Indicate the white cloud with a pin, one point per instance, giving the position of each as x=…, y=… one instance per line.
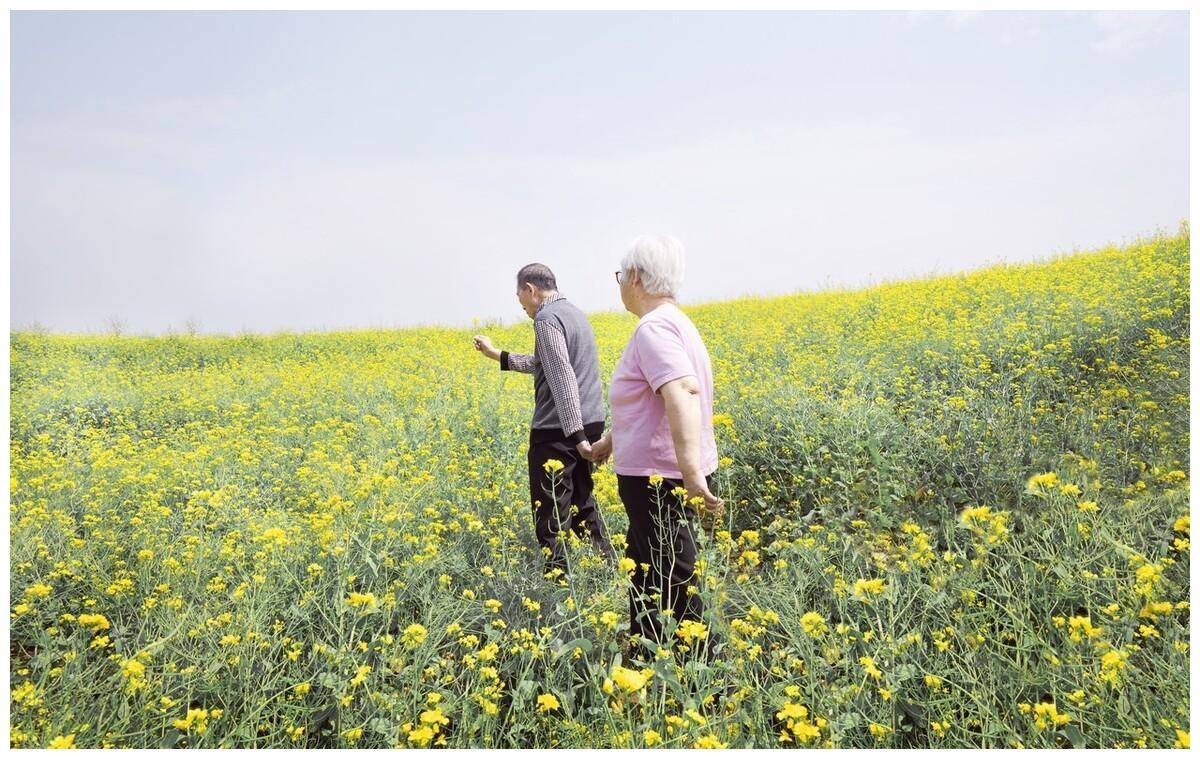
x=962, y=18
x=1129, y=31
x=369, y=243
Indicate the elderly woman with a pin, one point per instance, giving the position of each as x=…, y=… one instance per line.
x=661, y=398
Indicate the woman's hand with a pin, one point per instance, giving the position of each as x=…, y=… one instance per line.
x=602, y=449
x=709, y=507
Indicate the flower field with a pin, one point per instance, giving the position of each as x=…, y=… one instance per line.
x=957, y=516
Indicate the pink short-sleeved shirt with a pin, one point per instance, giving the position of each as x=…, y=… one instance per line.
x=664, y=346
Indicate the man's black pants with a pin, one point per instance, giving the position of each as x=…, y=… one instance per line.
x=570, y=504
x=662, y=541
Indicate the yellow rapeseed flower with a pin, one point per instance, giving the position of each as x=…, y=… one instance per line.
x=62, y=741
x=1038, y=483
x=709, y=741
x=864, y=588
x=813, y=624
x=364, y=601
x=691, y=631
x=414, y=635
x=629, y=680
x=94, y=622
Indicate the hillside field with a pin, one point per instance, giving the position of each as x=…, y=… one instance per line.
x=957, y=516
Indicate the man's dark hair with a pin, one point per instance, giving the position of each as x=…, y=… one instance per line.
x=539, y=275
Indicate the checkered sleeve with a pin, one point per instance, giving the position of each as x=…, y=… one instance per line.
x=550, y=345
x=518, y=362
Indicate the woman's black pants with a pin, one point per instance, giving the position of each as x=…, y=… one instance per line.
x=662, y=541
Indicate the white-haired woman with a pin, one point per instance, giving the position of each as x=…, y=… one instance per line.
x=661, y=398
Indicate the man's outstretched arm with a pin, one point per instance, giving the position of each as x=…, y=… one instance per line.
x=517, y=362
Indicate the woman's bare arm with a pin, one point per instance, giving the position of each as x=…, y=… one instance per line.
x=682, y=399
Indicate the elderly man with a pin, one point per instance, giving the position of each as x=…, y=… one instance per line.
x=568, y=415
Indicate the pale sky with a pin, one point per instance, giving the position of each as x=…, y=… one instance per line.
x=289, y=171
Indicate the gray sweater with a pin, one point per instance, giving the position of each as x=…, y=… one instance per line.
x=565, y=366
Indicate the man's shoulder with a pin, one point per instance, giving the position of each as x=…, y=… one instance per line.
x=556, y=309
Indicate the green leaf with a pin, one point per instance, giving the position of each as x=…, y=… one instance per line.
x=323, y=722
x=170, y=739
x=667, y=675
x=582, y=643
x=913, y=712
x=381, y=726
x=1075, y=736
x=873, y=450
x=327, y=680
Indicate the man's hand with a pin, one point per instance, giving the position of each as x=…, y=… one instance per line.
x=601, y=450
x=585, y=449
x=709, y=507
x=484, y=346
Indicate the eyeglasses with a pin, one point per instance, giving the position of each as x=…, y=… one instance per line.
x=618, y=277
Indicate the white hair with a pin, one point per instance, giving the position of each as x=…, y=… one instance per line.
x=659, y=262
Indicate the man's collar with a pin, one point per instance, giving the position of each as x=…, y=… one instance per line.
x=549, y=299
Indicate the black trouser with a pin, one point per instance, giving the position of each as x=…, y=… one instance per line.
x=570, y=505
x=662, y=537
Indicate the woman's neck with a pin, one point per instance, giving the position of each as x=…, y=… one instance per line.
x=652, y=302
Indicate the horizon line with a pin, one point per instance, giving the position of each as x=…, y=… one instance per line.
x=1138, y=238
